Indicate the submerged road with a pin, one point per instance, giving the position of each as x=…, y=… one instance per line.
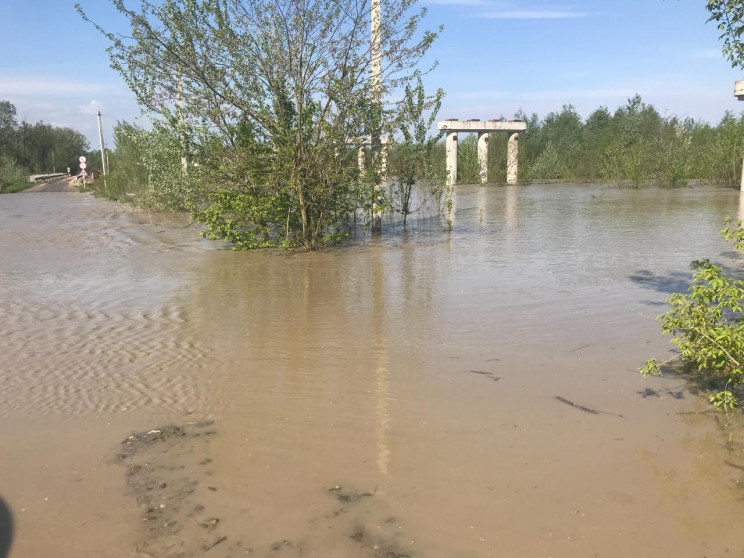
x=64, y=184
x=421, y=394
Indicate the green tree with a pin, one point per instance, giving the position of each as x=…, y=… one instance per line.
x=281, y=91
x=147, y=169
x=563, y=130
x=729, y=17
x=8, y=127
x=413, y=161
x=26, y=148
x=707, y=326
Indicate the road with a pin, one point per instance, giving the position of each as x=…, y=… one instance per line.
x=64, y=184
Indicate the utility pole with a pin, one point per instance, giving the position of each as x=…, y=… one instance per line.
x=376, y=91
x=104, y=163
x=376, y=50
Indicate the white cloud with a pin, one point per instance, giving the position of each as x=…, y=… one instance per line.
x=691, y=98
x=44, y=86
x=533, y=14
x=707, y=54
x=562, y=96
x=567, y=95
x=70, y=103
x=510, y=10
x=91, y=108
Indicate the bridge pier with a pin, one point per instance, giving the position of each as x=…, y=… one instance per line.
x=484, y=131
x=483, y=138
x=361, y=155
x=512, y=159
x=451, y=154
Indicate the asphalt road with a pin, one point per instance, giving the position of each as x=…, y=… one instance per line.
x=64, y=184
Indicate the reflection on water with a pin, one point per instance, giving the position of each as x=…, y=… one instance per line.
x=423, y=371
x=381, y=365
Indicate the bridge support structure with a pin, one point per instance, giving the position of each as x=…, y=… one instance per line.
x=484, y=130
x=362, y=144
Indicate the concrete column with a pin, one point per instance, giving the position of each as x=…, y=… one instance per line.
x=376, y=48
x=451, y=150
x=512, y=159
x=375, y=58
x=741, y=186
x=360, y=158
x=483, y=156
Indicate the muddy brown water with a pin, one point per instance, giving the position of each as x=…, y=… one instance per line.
x=423, y=394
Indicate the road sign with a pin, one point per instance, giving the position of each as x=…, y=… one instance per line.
x=83, y=166
x=82, y=159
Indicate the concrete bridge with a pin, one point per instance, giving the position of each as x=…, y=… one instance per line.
x=48, y=176
x=484, y=131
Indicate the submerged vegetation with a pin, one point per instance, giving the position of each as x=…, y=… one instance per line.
x=707, y=325
x=262, y=106
x=262, y=110
x=228, y=187
x=634, y=145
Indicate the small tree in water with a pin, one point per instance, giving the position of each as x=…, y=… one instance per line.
x=279, y=91
x=708, y=325
x=413, y=160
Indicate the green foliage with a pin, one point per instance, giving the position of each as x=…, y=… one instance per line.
x=707, y=325
x=279, y=94
x=413, y=164
x=673, y=147
x=45, y=148
x=12, y=175
x=245, y=220
x=734, y=230
x=632, y=163
x=549, y=164
x=8, y=126
x=633, y=146
x=719, y=156
x=148, y=171
x=34, y=148
x=729, y=17
x=468, y=168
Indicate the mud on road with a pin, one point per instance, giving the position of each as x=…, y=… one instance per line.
x=170, y=475
x=167, y=473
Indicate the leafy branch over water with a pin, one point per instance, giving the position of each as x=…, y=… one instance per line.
x=707, y=325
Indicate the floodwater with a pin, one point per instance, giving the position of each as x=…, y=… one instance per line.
x=422, y=394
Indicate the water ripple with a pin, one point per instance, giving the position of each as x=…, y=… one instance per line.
x=73, y=360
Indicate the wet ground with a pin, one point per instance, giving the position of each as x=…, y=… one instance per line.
x=59, y=185
x=422, y=394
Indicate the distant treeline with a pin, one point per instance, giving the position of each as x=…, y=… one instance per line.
x=35, y=148
x=634, y=145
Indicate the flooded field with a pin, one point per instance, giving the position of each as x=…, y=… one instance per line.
x=421, y=394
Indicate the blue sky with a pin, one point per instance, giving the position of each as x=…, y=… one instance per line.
x=494, y=57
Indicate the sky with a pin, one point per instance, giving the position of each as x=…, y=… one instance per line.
x=494, y=57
